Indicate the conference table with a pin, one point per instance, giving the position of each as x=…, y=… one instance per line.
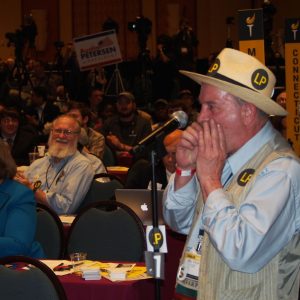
x=77, y=288
x=175, y=244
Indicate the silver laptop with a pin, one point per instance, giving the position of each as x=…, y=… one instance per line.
x=139, y=200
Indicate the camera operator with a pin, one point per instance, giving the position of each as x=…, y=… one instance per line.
x=164, y=69
x=185, y=43
x=143, y=66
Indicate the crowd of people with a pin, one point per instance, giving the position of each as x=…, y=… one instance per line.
x=230, y=179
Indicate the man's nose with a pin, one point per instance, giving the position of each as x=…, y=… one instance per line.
x=203, y=115
x=62, y=134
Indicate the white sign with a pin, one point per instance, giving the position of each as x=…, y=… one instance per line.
x=99, y=49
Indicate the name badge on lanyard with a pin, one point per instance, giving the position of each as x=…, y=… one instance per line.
x=188, y=271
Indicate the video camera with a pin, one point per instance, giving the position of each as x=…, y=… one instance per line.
x=16, y=38
x=142, y=26
x=26, y=33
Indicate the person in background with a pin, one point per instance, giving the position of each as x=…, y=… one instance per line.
x=96, y=162
x=160, y=113
x=127, y=128
x=17, y=212
x=62, y=178
x=21, y=139
x=96, y=97
x=176, y=105
x=164, y=69
x=185, y=43
x=187, y=97
x=140, y=174
x=41, y=111
x=40, y=78
x=236, y=190
x=279, y=122
x=96, y=140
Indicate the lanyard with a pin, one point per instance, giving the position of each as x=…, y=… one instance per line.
x=61, y=168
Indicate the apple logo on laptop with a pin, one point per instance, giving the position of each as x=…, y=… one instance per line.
x=144, y=207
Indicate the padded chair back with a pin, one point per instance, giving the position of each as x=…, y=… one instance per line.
x=109, y=157
x=101, y=191
x=107, y=231
x=49, y=232
x=38, y=282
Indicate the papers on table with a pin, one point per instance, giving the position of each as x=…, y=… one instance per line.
x=119, y=272
x=91, y=274
x=54, y=263
x=93, y=270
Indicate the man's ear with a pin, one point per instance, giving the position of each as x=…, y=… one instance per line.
x=249, y=112
x=85, y=120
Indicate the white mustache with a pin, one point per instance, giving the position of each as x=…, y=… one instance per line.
x=62, y=141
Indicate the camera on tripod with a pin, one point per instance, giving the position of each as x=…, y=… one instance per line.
x=142, y=26
x=16, y=38
x=26, y=34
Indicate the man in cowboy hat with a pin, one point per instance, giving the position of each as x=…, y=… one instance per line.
x=236, y=190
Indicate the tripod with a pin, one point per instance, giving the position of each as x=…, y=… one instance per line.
x=115, y=84
x=142, y=82
x=19, y=75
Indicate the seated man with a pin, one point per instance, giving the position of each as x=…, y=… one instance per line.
x=96, y=162
x=62, y=178
x=41, y=111
x=21, y=139
x=140, y=174
x=126, y=129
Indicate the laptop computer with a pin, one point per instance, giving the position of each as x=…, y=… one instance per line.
x=139, y=200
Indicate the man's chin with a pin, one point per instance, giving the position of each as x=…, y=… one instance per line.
x=61, y=153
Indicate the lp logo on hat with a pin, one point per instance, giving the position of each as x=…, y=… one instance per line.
x=214, y=67
x=260, y=79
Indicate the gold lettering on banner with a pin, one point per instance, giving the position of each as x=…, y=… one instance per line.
x=252, y=52
x=295, y=86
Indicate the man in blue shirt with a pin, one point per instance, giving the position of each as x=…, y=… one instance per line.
x=236, y=190
x=62, y=178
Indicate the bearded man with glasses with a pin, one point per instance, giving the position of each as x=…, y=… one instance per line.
x=62, y=178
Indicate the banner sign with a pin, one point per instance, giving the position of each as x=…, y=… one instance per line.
x=292, y=74
x=251, y=33
x=99, y=49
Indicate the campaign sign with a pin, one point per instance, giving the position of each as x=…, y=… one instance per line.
x=99, y=49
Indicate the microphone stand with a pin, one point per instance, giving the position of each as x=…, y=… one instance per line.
x=155, y=214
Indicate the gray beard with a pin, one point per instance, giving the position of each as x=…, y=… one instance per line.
x=61, y=151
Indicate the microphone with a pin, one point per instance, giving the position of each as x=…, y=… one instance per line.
x=179, y=120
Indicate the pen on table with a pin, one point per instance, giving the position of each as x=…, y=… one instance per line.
x=62, y=267
x=57, y=267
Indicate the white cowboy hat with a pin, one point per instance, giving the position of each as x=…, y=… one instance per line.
x=243, y=76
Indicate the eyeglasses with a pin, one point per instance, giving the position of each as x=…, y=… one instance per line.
x=64, y=131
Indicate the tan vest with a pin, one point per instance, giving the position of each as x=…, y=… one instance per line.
x=279, y=279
